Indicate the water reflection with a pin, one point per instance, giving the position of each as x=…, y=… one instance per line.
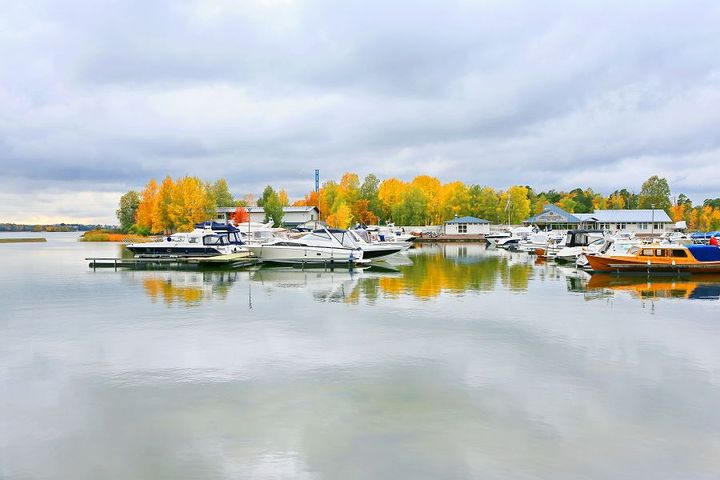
x=699, y=287
x=189, y=288
x=424, y=273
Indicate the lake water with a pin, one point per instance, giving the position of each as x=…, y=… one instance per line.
x=463, y=363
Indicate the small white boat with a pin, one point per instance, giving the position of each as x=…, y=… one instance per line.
x=580, y=242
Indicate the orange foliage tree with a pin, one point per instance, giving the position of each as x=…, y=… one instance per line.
x=240, y=215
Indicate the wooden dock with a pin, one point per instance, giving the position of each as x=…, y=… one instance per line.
x=233, y=260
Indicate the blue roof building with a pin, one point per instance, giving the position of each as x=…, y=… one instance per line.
x=639, y=221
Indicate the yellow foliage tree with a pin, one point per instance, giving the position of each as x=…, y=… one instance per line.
x=144, y=215
x=283, y=197
x=431, y=188
x=390, y=193
x=341, y=218
x=454, y=200
x=161, y=221
x=190, y=203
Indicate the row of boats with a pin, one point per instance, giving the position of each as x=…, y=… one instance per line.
x=600, y=251
x=307, y=246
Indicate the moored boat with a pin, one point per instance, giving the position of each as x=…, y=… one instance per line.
x=660, y=258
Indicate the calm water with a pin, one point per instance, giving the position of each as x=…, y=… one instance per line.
x=464, y=363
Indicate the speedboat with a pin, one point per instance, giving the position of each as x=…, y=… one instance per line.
x=517, y=235
x=207, y=239
x=660, y=258
x=318, y=247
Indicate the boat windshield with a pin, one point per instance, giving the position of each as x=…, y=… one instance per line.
x=214, y=240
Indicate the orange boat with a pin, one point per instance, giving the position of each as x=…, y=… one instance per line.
x=660, y=258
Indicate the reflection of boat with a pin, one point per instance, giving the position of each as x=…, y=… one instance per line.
x=205, y=240
x=324, y=285
x=660, y=258
x=706, y=287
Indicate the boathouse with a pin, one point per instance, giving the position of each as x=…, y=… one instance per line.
x=292, y=216
x=466, y=226
x=636, y=221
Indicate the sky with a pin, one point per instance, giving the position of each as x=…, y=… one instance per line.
x=98, y=96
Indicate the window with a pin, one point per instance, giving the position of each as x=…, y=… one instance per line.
x=647, y=252
x=620, y=226
x=658, y=226
x=642, y=226
x=193, y=239
x=462, y=228
x=679, y=253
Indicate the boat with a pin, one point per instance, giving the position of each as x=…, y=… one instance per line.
x=538, y=242
x=517, y=235
x=578, y=242
x=374, y=250
x=318, y=247
x=660, y=258
x=207, y=239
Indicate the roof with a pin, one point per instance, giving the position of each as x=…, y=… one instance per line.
x=553, y=214
x=632, y=216
x=262, y=210
x=467, y=219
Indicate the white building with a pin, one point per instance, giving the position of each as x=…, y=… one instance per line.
x=466, y=226
x=637, y=221
x=292, y=216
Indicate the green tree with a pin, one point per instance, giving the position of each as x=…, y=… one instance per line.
x=129, y=204
x=270, y=201
x=220, y=194
x=412, y=209
x=655, y=191
x=369, y=192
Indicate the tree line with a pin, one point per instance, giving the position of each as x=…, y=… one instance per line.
x=176, y=205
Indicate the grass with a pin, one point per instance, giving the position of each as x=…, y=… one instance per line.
x=104, y=236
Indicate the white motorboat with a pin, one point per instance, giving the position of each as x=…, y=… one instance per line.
x=516, y=236
x=539, y=241
x=320, y=246
x=579, y=242
x=376, y=250
x=207, y=239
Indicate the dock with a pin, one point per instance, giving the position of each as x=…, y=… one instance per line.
x=232, y=260
x=450, y=238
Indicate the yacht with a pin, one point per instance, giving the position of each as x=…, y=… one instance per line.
x=207, y=239
x=517, y=235
x=673, y=258
x=320, y=246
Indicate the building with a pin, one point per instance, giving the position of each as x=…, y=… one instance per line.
x=466, y=226
x=637, y=221
x=292, y=216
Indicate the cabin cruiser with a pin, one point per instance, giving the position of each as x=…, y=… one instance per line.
x=207, y=239
x=578, y=242
x=320, y=246
x=660, y=258
x=376, y=250
x=391, y=233
x=616, y=245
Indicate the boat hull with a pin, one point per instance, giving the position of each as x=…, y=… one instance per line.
x=161, y=250
x=301, y=254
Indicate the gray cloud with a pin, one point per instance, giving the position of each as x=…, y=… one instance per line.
x=100, y=96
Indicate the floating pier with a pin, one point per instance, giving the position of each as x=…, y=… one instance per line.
x=234, y=260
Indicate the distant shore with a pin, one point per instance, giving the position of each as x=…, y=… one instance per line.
x=23, y=240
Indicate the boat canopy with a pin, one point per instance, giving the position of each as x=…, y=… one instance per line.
x=582, y=238
x=705, y=253
x=217, y=227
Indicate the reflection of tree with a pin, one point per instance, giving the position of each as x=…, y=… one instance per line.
x=434, y=273
x=188, y=288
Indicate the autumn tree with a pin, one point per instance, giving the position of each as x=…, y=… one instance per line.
x=127, y=210
x=412, y=209
x=146, y=209
x=283, y=198
x=430, y=188
x=190, y=203
x=341, y=218
x=454, y=200
x=161, y=220
x=369, y=192
x=389, y=193
x=240, y=215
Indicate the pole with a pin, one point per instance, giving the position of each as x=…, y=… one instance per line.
x=653, y=219
x=317, y=191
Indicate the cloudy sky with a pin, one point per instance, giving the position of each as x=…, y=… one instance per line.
x=97, y=96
